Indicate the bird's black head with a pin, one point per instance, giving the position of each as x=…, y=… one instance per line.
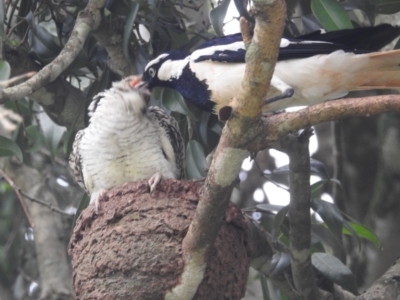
x=161, y=70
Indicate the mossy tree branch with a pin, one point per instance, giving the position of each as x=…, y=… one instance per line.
x=261, y=58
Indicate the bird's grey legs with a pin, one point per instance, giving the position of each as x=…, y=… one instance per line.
x=287, y=90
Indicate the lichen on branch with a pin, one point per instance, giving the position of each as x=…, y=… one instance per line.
x=233, y=147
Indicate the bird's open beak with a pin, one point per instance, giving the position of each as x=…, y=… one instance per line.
x=141, y=87
x=142, y=84
x=137, y=83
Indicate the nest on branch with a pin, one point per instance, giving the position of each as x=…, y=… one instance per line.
x=132, y=249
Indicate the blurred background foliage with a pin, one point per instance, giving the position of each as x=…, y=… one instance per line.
x=355, y=162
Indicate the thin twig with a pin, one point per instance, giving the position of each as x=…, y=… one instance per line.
x=299, y=215
x=19, y=196
x=48, y=205
x=13, y=80
x=13, y=234
x=13, y=8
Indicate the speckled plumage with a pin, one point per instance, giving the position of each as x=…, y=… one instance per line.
x=126, y=141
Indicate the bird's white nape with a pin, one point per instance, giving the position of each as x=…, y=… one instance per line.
x=155, y=61
x=172, y=69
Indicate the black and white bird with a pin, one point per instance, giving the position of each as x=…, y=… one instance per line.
x=311, y=68
x=126, y=141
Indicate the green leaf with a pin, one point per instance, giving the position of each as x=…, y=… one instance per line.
x=387, y=7
x=196, y=161
x=119, y=7
x=44, y=47
x=51, y=131
x=350, y=231
x=36, y=136
x=331, y=14
x=5, y=70
x=266, y=207
x=331, y=216
x=130, y=21
x=333, y=269
x=325, y=236
x=316, y=188
x=9, y=148
x=157, y=93
x=203, y=128
x=279, y=218
x=217, y=16
x=367, y=6
x=279, y=263
x=82, y=205
x=173, y=101
x=177, y=39
x=318, y=168
x=216, y=128
x=264, y=287
x=363, y=232
x=69, y=138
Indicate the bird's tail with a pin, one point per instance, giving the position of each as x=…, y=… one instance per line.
x=381, y=72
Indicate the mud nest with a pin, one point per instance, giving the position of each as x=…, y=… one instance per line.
x=132, y=249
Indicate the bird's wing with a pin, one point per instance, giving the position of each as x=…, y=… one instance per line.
x=231, y=48
x=289, y=49
x=75, y=159
x=171, y=139
x=363, y=38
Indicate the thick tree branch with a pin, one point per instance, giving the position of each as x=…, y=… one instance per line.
x=261, y=58
x=60, y=99
x=87, y=21
x=62, y=102
x=274, y=127
x=6, y=293
x=262, y=254
x=111, y=38
x=50, y=242
x=19, y=196
x=386, y=287
x=299, y=215
x=54, y=266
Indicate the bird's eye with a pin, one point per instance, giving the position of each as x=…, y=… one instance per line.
x=152, y=72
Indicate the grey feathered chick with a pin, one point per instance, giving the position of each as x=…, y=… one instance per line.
x=126, y=141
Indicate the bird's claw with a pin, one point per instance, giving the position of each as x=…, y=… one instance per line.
x=95, y=198
x=154, y=181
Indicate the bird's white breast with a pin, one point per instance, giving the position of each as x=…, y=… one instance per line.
x=119, y=146
x=223, y=79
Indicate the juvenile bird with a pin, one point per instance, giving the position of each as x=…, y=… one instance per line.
x=126, y=141
x=311, y=68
